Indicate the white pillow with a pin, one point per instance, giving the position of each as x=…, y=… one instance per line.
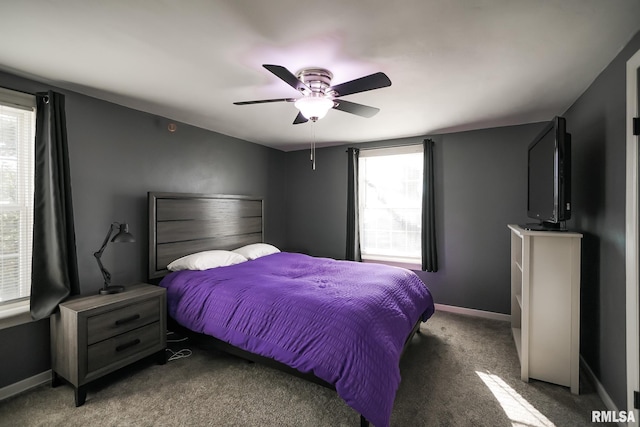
x=205, y=260
x=256, y=250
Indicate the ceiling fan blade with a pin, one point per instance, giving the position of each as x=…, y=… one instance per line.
x=354, y=108
x=264, y=101
x=363, y=84
x=300, y=119
x=288, y=77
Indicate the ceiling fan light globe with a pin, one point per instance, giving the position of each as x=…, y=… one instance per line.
x=314, y=108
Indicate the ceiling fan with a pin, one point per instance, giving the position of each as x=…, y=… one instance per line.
x=318, y=94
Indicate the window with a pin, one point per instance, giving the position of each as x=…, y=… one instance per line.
x=390, y=198
x=17, y=135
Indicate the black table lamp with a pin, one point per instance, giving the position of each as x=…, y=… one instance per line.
x=123, y=236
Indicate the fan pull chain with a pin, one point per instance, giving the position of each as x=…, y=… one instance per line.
x=313, y=146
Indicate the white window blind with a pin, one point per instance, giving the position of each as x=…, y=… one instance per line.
x=390, y=199
x=17, y=136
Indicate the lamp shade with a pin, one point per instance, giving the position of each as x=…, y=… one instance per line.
x=314, y=108
x=123, y=235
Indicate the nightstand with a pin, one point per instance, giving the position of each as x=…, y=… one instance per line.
x=92, y=336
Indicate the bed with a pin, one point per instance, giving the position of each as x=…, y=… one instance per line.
x=341, y=324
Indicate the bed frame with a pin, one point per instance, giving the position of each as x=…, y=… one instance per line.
x=184, y=223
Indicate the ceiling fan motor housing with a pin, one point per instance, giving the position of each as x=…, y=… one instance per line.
x=317, y=79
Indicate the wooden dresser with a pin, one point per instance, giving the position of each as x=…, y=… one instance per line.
x=92, y=336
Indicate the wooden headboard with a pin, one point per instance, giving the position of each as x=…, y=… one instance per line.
x=184, y=223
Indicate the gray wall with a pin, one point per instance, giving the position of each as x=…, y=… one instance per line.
x=116, y=156
x=481, y=179
x=597, y=122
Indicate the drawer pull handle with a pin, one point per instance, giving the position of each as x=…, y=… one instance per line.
x=127, y=345
x=127, y=319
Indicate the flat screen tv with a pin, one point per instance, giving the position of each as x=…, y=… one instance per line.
x=549, y=180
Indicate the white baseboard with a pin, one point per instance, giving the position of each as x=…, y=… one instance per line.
x=24, y=385
x=606, y=399
x=473, y=312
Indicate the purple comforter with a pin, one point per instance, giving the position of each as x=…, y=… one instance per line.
x=346, y=322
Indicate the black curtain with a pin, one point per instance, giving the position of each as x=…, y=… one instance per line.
x=353, y=228
x=429, y=255
x=54, y=271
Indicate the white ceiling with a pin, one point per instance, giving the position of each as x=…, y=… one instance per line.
x=455, y=64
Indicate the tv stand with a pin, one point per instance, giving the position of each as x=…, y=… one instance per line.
x=545, y=304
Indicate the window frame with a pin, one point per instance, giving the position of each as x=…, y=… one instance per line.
x=412, y=263
x=16, y=311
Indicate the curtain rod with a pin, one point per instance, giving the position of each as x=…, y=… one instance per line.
x=389, y=146
x=20, y=91
x=44, y=93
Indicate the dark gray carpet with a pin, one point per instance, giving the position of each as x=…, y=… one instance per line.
x=442, y=385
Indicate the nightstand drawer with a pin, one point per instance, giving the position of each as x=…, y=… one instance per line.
x=113, y=350
x=112, y=323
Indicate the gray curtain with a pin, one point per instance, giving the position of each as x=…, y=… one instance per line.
x=353, y=229
x=429, y=254
x=54, y=271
